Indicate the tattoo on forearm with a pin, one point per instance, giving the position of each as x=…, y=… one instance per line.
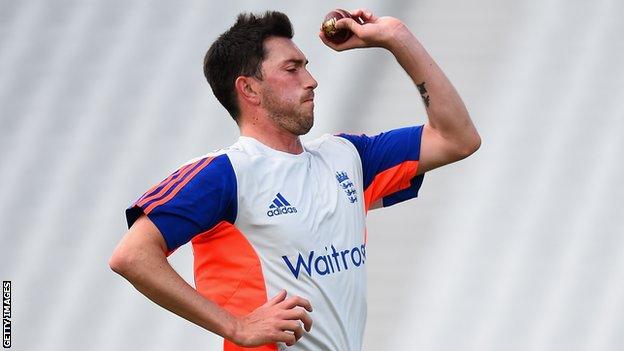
x=423, y=93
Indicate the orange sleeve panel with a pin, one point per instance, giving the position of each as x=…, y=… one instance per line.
x=389, y=181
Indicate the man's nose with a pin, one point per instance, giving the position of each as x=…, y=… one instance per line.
x=310, y=81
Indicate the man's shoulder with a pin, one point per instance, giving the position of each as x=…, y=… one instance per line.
x=205, y=167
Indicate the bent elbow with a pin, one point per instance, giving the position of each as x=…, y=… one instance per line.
x=130, y=260
x=140, y=248
x=470, y=146
x=475, y=143
x=124, y=261
x=119, y=262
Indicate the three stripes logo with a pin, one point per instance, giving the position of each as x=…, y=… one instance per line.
x=168, y=188
x=280, y=206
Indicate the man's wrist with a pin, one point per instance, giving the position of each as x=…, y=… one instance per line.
x=232, y=328
x=398, y=38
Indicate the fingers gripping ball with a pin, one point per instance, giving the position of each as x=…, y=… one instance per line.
x=337, y=36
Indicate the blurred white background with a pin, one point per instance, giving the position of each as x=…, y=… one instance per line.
x=520, y=247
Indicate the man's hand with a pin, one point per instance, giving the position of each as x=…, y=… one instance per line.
x=278, y=320
x=374, y=32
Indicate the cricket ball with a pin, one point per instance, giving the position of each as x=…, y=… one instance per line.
x=336, y=36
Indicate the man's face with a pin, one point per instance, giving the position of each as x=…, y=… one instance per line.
x=287, y=88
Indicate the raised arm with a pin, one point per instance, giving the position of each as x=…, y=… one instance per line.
x=449, y=135
x=140, y=258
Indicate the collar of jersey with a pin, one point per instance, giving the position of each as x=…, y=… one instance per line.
x=259, y=147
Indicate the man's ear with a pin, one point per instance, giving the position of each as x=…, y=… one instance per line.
x=247, y=89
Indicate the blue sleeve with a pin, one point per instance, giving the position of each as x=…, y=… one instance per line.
x=190, y=201
x=389, y=164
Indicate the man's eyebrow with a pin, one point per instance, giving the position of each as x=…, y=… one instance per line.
x=298, y=62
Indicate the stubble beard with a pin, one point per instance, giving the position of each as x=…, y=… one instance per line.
x=296, y=118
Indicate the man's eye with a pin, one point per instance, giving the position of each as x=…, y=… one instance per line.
x=294, y=69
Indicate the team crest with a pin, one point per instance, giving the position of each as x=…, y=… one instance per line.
x=347, y=185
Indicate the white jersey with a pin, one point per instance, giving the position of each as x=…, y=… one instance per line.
x=262, y=220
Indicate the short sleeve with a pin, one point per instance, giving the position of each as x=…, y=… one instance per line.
x=192, y=200
x=389, y=165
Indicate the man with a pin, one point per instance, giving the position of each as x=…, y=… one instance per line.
x=277, y=226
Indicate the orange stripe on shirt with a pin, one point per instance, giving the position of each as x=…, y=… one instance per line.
x=232, y=281
x=178, y=187
x=389, y=181
x=145, y=199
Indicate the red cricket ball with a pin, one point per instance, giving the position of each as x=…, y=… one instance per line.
x=337, y=36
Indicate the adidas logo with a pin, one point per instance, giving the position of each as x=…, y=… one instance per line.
x=280, y=206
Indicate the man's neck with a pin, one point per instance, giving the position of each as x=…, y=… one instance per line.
x=273, y=136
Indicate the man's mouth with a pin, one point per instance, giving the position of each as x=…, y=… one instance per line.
x=310, y=98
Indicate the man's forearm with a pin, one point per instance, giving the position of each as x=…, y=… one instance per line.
x=445, y=109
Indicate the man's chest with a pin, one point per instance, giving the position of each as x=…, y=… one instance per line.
x=300, y=204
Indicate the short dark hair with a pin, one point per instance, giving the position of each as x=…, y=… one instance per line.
x=240, y=52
